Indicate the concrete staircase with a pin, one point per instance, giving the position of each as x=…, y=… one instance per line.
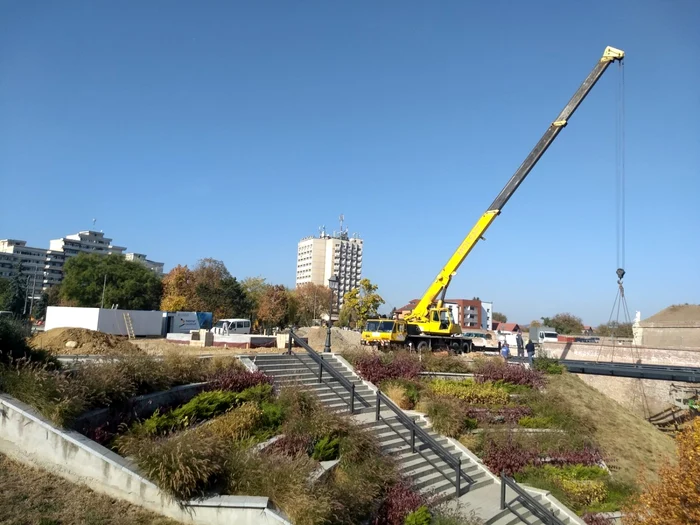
x=428, y=471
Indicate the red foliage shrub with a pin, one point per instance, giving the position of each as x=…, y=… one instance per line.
x=586, y=456
x=596, y=519
x=236, y=380
x=291, y=445
x=508, y=457
x=517, y=375
x=400, y=500
x=375, y=369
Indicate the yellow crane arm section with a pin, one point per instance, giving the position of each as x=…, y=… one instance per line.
x=442, y=281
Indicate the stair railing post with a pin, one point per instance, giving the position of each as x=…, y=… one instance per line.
x=289, y=349
x=413, y=437
x=352, y=398
x=320, y=373
x=377, y=414
x=459, y=477
x=503, y=492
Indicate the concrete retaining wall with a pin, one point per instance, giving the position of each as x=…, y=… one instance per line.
x=27, y=437
x=230, y=341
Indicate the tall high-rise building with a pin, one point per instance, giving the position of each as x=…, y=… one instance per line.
x=320, y=258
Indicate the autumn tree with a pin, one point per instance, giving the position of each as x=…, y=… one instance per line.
x=360, y=304
x=272, y=310
x=178, y=290
x=675, y=499
x=313, y=301
x=501, y=318
x=564, y=323
x=615, y=329
x=254, y=288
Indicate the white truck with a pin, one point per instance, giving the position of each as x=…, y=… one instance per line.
x=543, y=334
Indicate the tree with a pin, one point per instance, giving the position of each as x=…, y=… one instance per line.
x=4, y=294
x=675, y=500
x=178, y=290
x=254, y=288
x=17, y=292
x=313, y=301
x=615, y=329
x=361, y=304
x=40, y=306
x=501, y=318
x=127, y=283
x=535, y=324
x=564, y=323
x=272, y=310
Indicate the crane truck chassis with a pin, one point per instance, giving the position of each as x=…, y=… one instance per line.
x=430, y=324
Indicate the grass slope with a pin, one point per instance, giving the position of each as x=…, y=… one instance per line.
x=636, y=446
x=31, y=496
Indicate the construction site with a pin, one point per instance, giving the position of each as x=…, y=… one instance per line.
x=428, y=415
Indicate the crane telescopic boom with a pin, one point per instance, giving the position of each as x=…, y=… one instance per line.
x=429, y=313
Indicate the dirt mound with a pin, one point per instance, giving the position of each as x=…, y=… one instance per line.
x=676, y=313
x=341, y=340
x=80, y=341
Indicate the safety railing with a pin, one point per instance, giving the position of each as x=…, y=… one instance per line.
x=349, y=386
x=542, y=513
x=416, y=432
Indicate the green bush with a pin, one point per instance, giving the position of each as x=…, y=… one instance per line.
x=14, y=346
x=548, y=365
x=469, y=391
x=535, y=422
x=420, y=516
x=326, y=449
x=448, y=416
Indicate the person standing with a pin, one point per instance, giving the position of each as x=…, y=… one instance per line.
x=521, y=345
x=505, y=351
x=530, y=347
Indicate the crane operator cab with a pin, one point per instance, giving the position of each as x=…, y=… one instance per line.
x=440, y=322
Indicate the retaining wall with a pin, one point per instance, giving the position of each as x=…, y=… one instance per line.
x=28, y=437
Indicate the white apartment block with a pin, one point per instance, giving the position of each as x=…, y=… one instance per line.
x=320, y=258
x=156, y=267
x=44, y=268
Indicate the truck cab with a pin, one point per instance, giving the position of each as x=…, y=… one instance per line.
x=543, y=334
x=231, y=326
x=384, y=332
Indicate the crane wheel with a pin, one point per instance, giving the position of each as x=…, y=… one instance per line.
x=455, y=348
x=422, y=346
x=466, y=347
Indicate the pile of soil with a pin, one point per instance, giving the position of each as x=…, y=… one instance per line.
x=676, y=313
x=341, y=340
x=72, y=341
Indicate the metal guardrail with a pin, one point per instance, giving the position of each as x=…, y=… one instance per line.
x=323, y=365
x=430, y=443
x=541, y=512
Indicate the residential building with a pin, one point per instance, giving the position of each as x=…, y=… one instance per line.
x=320, y=258
x=44, y=267
x=469, y=313
x=156, y=267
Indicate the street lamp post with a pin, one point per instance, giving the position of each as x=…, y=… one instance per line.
x=333, y=285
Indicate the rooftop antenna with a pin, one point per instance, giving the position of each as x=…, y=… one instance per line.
x=93, y=223
x=342, y=219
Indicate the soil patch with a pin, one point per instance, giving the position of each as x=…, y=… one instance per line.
x=341, y=340
x=676, y=313
x=30, y=495
x=83, y=342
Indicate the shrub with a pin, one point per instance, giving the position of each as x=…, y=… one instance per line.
x=397, y=393
x=201, y=407
x=326, y=449
x=596, y=519
x=49, y=391
x=432, y=362
x=284, y=479
x=508, y=414
x=587, y=456
x=237, y=380
x=375, y=368
x=400, y=500
x=238, y=424
x=508, y=456
x=184, y=465
x=13, y=344
x=447, y=416
x=578, y=486
x=469, y=391
x=548, y=365
x=535, y=422
x=291, y=445
x=420, y=516
x=494, y=370
x=105, y=383
x=474, y=442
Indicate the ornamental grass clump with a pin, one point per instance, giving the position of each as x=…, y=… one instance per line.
x=469, y=391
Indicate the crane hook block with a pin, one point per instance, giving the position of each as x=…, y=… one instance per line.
x=620, y=273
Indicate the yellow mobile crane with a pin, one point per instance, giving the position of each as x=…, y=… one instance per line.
x=430, y=324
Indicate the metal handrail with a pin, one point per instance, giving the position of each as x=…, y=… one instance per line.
x=428, y=441
x=544, y=514
x=323, y=365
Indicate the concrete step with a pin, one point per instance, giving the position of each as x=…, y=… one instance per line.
x=508, y=517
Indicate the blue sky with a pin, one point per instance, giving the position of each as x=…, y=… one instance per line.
x=233, y=129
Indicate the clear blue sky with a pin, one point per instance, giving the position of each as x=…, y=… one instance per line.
x=232, y=129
